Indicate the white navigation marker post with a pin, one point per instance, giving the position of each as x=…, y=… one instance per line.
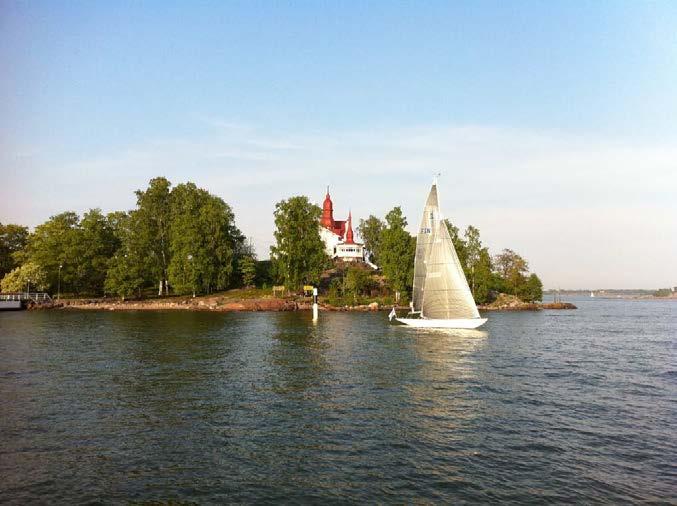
x=315, y=307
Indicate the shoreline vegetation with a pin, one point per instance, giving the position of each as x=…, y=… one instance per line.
x=245, y=301
x=181, y=241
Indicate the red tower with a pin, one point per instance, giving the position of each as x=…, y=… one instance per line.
x=327, y=220
x=349, y=229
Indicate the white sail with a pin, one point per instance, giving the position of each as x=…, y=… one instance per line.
x=440, y=292
x=424, y=241
x=446, y=294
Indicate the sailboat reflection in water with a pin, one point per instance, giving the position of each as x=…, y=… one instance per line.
x=441, y=297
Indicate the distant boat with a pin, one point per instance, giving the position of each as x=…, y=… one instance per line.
x=441, y=296
x=592, y=294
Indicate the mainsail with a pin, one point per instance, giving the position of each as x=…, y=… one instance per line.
x=440, y=289
x=424, y=241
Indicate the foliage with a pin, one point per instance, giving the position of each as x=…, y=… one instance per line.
x=13, y=239
x=19, y=278
x=57, y=242
x=184, y=235
x=356, y=282
x=482, y=278
x=80, y=249
x=248, y=270
x=370, y=232
x=96, y=244
x=264, y=274
x=532, y=290
x=202, y=240
x=397, y=252
x=124, y=277
x=151, y=226
x=298, y=256
x=513, y=269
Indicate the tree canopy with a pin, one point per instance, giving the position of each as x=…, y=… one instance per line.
x=298, y=255
x=13, y=239
x=370, y=232
x=181, y=237
x=397, y=249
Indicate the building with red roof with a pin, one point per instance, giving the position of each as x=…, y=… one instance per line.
x=338, y=235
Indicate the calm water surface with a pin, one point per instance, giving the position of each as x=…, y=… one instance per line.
x=554, y=406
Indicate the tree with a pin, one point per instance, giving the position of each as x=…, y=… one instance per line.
x=248, y=270
x=397, y=251
x=96, y=243
x=483, y=277
x=533, y=289
x=57, y=242
x=512, y=269
x=152, y=222
x=13, y=239
x=124, y=277
x=473, y=247
x=18, y=280
x=357, y=281
x=125, y=274
x=370, y=232
x=202, y=238
x=299, y=254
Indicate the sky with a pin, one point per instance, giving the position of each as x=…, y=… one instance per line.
x=552, y=123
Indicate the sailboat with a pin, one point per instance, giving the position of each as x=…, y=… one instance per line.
x=441, y=296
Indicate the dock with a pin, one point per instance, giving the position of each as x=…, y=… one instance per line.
x=16, y=301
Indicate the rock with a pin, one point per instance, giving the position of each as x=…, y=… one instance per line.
x=373, y=306
x=234, y=306
x=558, y=305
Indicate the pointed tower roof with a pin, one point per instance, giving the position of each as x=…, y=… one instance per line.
x=327, y=220
x=349, y=229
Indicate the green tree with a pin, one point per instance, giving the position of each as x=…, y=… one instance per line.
x=512, y=269
x=13, y=239
x=124, y=277
x=483, y=277
x=299, y=255
x=248, y=270
x=370, y=232
x=57, y=242
x=203, y=239
x=125, y=274
x=397, y=252
x=19, y=279
x=473, y=247
x=96, y=244
x=356, y=282
x=152, y=221
x=532, y=290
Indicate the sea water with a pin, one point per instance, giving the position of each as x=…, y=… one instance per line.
x=549, y=406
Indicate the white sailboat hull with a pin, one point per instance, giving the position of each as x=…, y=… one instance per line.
x=431, y=323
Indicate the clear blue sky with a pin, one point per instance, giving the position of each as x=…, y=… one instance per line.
x=261, y=100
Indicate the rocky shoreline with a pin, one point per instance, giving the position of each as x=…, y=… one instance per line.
x=229, y=304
